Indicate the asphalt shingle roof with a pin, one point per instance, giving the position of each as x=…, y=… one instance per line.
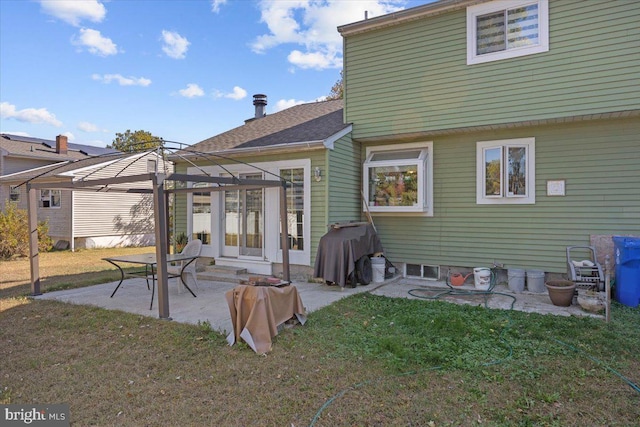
x=24, y=146
x=315, y=121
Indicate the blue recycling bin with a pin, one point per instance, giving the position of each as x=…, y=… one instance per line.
x=627, y=251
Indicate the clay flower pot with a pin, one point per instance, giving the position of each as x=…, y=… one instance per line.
x=561, y=292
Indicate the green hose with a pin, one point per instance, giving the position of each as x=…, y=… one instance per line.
x=461, y=292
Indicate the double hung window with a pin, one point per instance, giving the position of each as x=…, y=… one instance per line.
x=50, y=198
x=507, y=29
x=398, y=178
x=14, y=193
x=506, y=171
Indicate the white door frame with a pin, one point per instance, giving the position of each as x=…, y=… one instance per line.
x=271, y=240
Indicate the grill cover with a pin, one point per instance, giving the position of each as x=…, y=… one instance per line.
x=340, y=248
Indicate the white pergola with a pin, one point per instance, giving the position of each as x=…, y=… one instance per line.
x=161, y=192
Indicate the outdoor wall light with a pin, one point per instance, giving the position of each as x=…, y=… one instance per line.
x=317, y=174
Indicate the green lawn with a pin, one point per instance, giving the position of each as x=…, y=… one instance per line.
x=363, y=361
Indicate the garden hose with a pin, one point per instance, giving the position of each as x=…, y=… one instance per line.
x=599, y=362
x=460, y=292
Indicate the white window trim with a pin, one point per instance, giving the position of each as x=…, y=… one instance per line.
x=51, y=206
x=14, y=193
x=272, y=251
x=530, y=198
x=494, y=6
x=425, y=186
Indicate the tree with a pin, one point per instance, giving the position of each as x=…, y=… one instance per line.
x=337, y=90
x=134, y=142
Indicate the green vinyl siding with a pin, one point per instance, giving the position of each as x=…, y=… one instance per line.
x=179, y=211
x=413, y=77
x=598, y=160
x=319, y=203
x=344, y=183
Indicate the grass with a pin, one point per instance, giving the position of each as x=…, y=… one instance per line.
x=363, y=361
x=62, y=270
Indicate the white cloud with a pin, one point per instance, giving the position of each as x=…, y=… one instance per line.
x=28, y=115
x=74, y=11
x=313, y=25
x=215, y=5
x=70, y=136
x=192, y=91
x=175, y=46
x=18, y=133
x=283, y=104
x=123, y=81
x=317, y=60
x=87, y=127
x=95, y=42
x=90, y=127
x=237, y=94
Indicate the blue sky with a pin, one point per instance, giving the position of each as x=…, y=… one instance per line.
x=182, y=70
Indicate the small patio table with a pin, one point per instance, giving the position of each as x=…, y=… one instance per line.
x=257, y=311
x=150, y=263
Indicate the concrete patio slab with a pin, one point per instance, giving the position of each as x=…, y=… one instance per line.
x=211, y=306
x=500, y=298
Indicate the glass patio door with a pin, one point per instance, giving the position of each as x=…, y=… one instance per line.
x=244, y=221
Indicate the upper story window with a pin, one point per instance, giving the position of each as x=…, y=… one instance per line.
x=398, y=178
x=507, y=29
x=50, y=198
x=505, y=171
x=14, y=193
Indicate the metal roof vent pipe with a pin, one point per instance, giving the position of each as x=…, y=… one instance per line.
x=260, y=102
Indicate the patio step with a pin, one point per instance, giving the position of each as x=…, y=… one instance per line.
x=226, y=269
x=227, y=274
x=217, y=276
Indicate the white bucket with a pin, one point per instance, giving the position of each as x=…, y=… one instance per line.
x=377, y=266
x=516, y=280
x=482, y=278
x=535, y=281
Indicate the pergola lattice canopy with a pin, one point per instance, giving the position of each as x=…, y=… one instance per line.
x=108, y=173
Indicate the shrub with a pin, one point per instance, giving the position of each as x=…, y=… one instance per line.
x=181, y=241
x=14, y=232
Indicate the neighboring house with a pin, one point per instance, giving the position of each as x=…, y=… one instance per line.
x=21, y=153
x=497, y=131
x=88, y=219
x=307, y=144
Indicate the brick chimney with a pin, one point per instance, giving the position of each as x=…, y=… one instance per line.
x=61, y=144
x=260, y=102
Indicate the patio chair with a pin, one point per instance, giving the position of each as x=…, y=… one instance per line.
x=192, y=248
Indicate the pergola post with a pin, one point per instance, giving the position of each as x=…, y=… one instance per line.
x=161, y=245
x=167, y=216
x=34, y=260
x=284, y=238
